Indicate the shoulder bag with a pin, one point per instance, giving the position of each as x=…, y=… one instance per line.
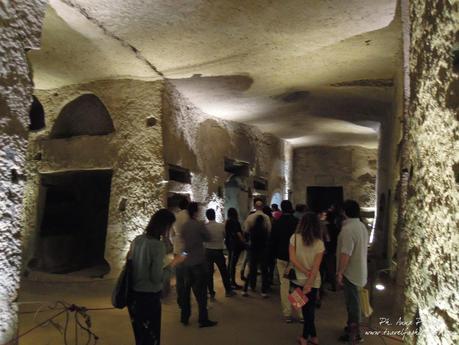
x=123, y=287
x=289, y=272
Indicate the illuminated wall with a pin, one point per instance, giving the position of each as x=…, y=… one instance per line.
x=19, y=31
x=200, y=142
x=352, y=167
x=134, y=151
x=431, y=215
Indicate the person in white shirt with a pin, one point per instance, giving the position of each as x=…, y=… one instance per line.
x=250, y=221
x=214, y=254
x=181, y=217
x=352, y=273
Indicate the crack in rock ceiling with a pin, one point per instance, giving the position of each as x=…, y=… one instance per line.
x=312, y=72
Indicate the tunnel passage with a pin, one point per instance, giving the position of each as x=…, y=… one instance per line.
x=74, y=213
x=321, y=198
x=85, y=115
x=236, y=187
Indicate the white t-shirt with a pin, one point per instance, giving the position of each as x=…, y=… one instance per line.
x=306, y=255
x=353, y=241
x=181, y=218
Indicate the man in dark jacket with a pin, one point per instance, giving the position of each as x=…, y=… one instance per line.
x=281, y=233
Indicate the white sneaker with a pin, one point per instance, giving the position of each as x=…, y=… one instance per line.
x=264, y=295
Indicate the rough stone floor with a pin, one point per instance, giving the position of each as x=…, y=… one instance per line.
x=242, y=320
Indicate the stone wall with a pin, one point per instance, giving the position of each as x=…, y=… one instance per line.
x=352, y=167
x=431, y=215
x=19, y=31
x=199, y=142
x=134, y=151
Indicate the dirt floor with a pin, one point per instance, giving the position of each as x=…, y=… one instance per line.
x=242, y=320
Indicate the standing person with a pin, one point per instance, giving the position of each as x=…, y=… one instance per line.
x=306, y=251
x=323, y=266
x=300, y=210
x=276, y=212
x=214, y=254
x=352, y=266
x=194, y=234
x=330, y=247
x=257, y=256
x=148, y=273
x=176, y=234
x=282, y=231
x=248, y=223
x=235, y=244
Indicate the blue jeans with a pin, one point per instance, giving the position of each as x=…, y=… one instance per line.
x=352, y=299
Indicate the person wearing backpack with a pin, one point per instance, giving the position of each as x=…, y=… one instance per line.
x=257, y=252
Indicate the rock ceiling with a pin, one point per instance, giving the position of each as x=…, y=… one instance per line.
x=312, y=72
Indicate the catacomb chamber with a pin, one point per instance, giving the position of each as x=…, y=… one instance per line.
x=73, y=214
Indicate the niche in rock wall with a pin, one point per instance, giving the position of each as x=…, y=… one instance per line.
x=177, y=200
x=36, y=115
x=236, y=187
x=74, y=208
x=85, y=115
x=179, y=174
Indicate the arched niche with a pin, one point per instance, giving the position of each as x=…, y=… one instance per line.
x=85, y=115
x=36, y=115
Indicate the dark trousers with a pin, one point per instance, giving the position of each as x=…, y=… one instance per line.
x=215, y=256
x=352, y=299
x=257, y=259
x=309, y=311
x=195, y=279
x=145, y=312
x=232, y=263
x=180, y=283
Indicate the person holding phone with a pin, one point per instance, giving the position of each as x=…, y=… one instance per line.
x=148, y=254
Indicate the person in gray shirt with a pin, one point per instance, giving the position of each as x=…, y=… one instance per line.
x=194, y=234
x=352, y=266
x=147, y=254
x=214, y=254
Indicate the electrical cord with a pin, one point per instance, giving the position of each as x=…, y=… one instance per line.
x=81, y=318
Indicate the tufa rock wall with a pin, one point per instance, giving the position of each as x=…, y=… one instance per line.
x=199, y=142
x=431, y=215
x=352, y=167
x=20, y=29
x=134, y=152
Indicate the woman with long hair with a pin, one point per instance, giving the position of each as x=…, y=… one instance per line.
x=305, y=252
x=147, y=253
x=235, y=244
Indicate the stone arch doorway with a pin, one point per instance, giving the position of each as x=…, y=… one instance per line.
x=72, y=225
x=85, y=115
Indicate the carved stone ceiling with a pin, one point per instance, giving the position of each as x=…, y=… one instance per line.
x=312, y=72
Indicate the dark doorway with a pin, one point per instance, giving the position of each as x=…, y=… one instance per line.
x=321, y=198
x=74, y=212
x=175, y=199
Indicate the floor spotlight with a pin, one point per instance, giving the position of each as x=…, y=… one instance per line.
x=380, y=287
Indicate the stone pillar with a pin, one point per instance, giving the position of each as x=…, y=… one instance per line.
x=19, y=31
x=431, y=216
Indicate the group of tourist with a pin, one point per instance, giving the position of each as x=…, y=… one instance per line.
x=284, y=238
